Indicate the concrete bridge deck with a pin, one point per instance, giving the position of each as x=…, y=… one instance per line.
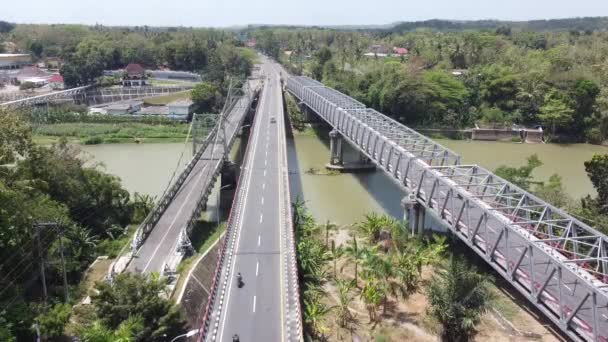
x=259, y=241
x=161, y=238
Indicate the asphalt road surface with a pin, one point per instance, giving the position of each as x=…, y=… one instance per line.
x=255, y=311
x=161, y=242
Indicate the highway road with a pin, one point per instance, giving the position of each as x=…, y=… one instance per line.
x=255, y=311
x=161, y=242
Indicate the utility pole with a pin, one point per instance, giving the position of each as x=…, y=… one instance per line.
x=38, y=227
x=65, y=276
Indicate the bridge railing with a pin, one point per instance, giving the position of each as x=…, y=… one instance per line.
x=557, y=262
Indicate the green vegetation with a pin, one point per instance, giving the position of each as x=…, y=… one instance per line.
x=387, y=266
x=494, y=77
x=133, y=298
x=458, y=296
x=41, y=184
x=98, y=133
x=592, y=211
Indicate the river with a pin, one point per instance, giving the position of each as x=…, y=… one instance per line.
x=343, y=198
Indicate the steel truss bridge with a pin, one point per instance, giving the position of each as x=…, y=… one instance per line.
x=95, y=95
x=556, y=261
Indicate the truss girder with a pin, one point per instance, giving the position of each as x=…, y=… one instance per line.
x=555, y=260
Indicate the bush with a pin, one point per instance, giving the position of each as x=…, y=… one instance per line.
x=94, y=140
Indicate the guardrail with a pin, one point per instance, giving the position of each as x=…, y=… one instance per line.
x=559, y=263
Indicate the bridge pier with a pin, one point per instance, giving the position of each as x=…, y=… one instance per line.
x=336, y=157
x=336, y=152
x=228, y=180
x=414, y=214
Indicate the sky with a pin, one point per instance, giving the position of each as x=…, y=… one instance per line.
x=222, y=13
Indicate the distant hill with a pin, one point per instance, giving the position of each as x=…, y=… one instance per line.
x=577, y=24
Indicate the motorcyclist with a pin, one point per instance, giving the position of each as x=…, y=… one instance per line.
x=239, y=279
x=235, y=338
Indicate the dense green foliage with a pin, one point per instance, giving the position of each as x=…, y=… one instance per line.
x=458, y=296
x=501, y=76
x=50, y=184
x=135, y=295
x=88, y=50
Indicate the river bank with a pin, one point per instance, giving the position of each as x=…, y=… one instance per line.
x=94, y=133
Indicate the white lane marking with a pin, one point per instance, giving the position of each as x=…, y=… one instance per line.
x=261, y=217
x=259, y=240
x=262, y=200
x=263, y=186
x=240, y=223
x=254, y=298
x=264, y=173
x=257, y=268
x=265, y=162
x=177, y=215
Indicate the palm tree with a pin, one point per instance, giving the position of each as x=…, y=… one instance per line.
x=328, y=226
x=406, y=272
x=336, y=253
x=299, y=212
x=127, y=331
x=371, y=294
x=343, y=314
x=372, y=226
x=458, y=297
x=355, y=254
x=314, y=312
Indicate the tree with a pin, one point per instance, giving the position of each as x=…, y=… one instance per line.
x=142, y=205
x=520, y=176
x=134, y=293
x=597, y=171
x=343, y=314
x=555, y=113
x=458, y=296
x=15, y=137
x=27, y=86
x=53, y=322
x=355, y=254
x=127, y=331
x=204, y=95
x=314, y=312
x=327, y=227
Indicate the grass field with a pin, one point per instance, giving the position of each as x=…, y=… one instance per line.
x=99, y=133
x=165, y=99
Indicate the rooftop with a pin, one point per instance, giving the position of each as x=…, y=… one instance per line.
x=9, y=55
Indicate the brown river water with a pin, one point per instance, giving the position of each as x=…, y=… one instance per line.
x=343, y=198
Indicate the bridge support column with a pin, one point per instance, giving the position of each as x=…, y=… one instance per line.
x=335, y=148
x=229, y=176
x=414, y=214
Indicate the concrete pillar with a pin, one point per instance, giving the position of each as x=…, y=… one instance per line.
x=414, y=214
x=335, y=148
x=228, y=180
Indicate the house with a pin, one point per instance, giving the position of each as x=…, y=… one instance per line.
x=180, y=109
x=31, y=74
x=134, y=76
x=56, y=82
x=251, y=43
x=378, y=49
x=400, y=51
x=53, y=63
x=14, y=60
x=460, y=72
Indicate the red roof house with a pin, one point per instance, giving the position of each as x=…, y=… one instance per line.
x=401, y=51
x=135, y=76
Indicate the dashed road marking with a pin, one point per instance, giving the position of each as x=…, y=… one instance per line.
x=261, y=217
x=259, y=240
x=257, y=268
x=254, y=298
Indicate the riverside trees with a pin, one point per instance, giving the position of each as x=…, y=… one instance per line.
x=456, y=79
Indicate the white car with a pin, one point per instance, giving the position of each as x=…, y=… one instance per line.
x=273, y=119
